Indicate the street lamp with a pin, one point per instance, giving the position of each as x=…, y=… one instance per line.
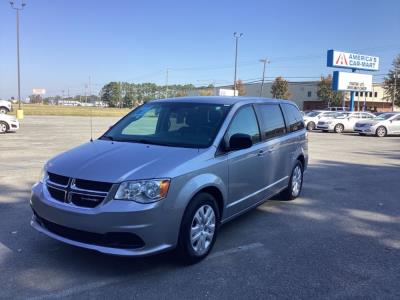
x=236, y=36
x=264, y=61
x=20, y=113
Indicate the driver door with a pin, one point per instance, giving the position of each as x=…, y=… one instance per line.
x=245, y=167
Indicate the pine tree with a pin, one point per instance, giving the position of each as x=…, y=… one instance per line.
x=389, y=82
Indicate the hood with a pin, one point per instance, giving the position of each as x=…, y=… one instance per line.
x=118, y=161
x=370, y=122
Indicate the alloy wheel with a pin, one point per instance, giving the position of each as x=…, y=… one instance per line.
x=296, y=181
x=202, y=229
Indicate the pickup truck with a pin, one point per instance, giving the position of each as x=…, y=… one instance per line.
x=5, y=106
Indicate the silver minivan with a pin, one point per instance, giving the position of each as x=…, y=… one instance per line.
x=169, y=173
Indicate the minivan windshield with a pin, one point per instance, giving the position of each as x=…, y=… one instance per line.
x=175, y=124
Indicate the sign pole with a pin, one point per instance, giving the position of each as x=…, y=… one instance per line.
x=351, y=108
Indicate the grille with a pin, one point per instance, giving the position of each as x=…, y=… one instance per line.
x=78, y=192
x=321, y=123
x=58, y=179
x=123, y=240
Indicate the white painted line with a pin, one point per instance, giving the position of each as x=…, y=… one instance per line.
x=235, y=250
x=76, y=290
x=98, y=284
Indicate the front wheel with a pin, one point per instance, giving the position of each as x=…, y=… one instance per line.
x=339, y=128
x=310, y=125
x=198, y=229
x=381, y=131
x=3, y=127
x=295, y=183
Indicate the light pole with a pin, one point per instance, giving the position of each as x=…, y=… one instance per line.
x=236, y=36
x=18, y=9
x=394, y=88
x=264, y=61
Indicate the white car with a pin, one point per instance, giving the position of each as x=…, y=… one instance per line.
x=343, y=122
x=382, y=125
x=311, y=118
x=8, y=123
x=5, y=106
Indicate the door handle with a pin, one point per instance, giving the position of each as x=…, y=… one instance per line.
x=261, y=153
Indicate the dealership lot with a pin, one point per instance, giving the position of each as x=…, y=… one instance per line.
x=340, y=239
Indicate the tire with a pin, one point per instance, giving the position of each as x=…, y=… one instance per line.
x=381, y=131
x=339, y=128
x=3, y=110
x=310, y=125
x=3, y=127
x=190, y=250
x=290, y=193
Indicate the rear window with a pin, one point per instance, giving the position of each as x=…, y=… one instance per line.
x=294, y=120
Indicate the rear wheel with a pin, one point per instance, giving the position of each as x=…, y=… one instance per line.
x=339, y=128
x=3, y=127
x=381, y=131
x=198, y=229
x=310, y=125
x=295, y=183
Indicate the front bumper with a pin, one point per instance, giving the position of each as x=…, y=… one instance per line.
x=328, y=127
x=365, y=130
x=151, y=223
x=14, y=125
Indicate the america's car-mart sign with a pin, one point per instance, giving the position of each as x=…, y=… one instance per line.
x=339, y=59
x=355, y=82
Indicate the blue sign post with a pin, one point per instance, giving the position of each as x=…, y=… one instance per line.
x=353, y=61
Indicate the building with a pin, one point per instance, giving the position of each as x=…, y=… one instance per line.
x=304, y=94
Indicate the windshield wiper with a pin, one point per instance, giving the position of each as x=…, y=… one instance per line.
x=107, y=137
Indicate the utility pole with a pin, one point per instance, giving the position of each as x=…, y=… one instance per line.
x=236, y=36
x=90, y=89
x=18, y=9
x=166, y=85
x=264, y=61
x=394, y=89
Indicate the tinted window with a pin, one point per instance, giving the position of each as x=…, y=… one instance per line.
x=272, y=123
x=293, y=118
x=245, y=122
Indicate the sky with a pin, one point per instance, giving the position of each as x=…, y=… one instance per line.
x=66, y=42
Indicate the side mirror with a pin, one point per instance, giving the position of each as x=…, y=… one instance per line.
x=240, y=141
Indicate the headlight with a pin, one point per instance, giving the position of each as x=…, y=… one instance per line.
x=43, y=174
x=143, y=191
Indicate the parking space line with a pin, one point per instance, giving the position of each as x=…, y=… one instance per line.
x=102, y=283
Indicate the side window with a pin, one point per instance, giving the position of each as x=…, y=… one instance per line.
x=366, y=116
x=245, y=121
x=293, y=117
x=272, y=123
x=396, y=118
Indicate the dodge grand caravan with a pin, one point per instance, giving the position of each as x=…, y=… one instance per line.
x=169, y=173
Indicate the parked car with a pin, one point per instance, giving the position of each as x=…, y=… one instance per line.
x=8, y=123
x=382, y=125
x=343, y=122
x=5, y=106
x=311, y=118
x=170, y=173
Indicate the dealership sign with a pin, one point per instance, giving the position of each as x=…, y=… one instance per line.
x=355, y=82
x=38, y=91
x=339, y=59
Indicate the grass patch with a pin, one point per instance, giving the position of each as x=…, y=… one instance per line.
x=54, y=110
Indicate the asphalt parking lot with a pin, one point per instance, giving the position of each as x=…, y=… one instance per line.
x=340, y=239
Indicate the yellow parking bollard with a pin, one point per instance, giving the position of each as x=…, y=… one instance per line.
x=20, y=114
